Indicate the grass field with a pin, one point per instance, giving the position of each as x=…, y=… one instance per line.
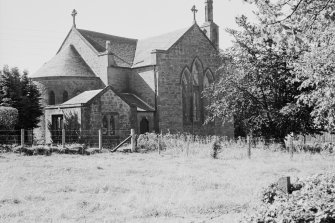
x=149, y=187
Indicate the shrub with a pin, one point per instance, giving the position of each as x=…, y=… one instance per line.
x=215, y=149
x=316, y=148
x=150, y=142
x=312, y=200
x=8, y=118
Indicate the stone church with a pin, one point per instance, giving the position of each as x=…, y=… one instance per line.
x=114, y=83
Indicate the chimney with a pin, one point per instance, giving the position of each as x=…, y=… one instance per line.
x=111, y=61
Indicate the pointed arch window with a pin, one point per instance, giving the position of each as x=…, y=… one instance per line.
x=52, y=99
x=208, y=79
x=197, y=74
x=186, y=94
x=193, y=82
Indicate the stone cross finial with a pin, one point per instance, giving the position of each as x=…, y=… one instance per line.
x=194, y=10
x=74, y=13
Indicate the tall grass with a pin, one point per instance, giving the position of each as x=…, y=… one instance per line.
x=202, y=146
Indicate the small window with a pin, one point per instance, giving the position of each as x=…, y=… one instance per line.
x=65, y=96
x=104, y=125
x=109, y=124
x=112, y=125
x=51, y=98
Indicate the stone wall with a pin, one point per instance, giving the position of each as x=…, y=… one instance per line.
x=142, y=83
x=108, y=103
x=118, y=78
x=73, y=86
x=67, y=113
x=194, y=44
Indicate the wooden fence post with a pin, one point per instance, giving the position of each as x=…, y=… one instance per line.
x=159, y=144
x=249, y=146
x=100, y=140
x=133, y=145
x=284, y=184
x=290, y=144
x=63, y=138
x=22, y=137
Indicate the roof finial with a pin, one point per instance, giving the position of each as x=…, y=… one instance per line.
x=194, y=10
x=74, y=13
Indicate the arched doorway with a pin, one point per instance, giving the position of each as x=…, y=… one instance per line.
x=144, y=125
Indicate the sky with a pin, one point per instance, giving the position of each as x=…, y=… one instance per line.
x=31, y=31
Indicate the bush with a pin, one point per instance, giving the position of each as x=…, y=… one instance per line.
x=316, y=148
x=150, y=142
x=8, y=118
x=312, y=200
x=216, y=148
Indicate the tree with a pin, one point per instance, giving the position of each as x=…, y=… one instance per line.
x=258, y=86
x=309, y=26
x=8, y=118
x=19, y=92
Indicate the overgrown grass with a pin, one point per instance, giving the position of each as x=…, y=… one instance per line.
x=179, y=183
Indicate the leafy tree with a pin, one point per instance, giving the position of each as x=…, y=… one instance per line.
x=309, y=27
x=8, y=118
x=258, y=85
x=19, y=92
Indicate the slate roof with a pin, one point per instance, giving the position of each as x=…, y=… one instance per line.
x=132, y=52
x=122, y=48
x=67, y=63
x=87, y=96
x=161, y=42
x=83, y=98
x=139, y=103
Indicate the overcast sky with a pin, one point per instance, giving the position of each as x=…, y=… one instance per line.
x=31, y=31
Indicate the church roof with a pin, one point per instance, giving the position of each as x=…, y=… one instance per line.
x=87, y=96
x=122, y=48
x=83, y=98
x=139, y=103
x=132, y=52
x=161, y=42
x=67, y=63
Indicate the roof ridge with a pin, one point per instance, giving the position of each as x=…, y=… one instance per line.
x=139, y=99
x=62, y=65
x=167, y=33
x=95, y=32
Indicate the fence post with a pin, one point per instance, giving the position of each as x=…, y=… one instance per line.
x=22, y=137
x=290, y=143
x=100, y=140
x=133, y=146
x=63, y=138
x=249, y=146
x=159, y=144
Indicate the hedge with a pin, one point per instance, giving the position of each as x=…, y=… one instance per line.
x=8, y=118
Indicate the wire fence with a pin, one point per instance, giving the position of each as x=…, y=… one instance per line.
x=95, y=138
x=13, y=137
x=109, y=139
